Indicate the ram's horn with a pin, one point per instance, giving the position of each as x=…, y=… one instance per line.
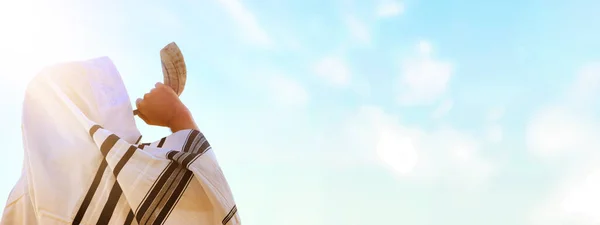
x=173, y=66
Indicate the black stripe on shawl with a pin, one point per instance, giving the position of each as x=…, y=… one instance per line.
x=129, y=218
x=108, y=144
x=192, y=161
x=230, y=215
x=187, y=158
x=165, y=195
x=111, y=204
x=116, y=191
x=141, y=146
x=94, y=129
x=138, y=140
x=168, y=189
x=124, y=160
x=184, y=159
x=161, y=142
x=153, y=193
x=95, y=183
x=90, y=194
x=175, y=196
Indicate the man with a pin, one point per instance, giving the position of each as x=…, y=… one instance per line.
x=84, y=164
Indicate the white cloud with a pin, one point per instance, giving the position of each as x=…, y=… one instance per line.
x=568, y=126
x=442, y=155
x=568, y=131
x=583, y=198
x=288, y=91
x=554, y=131
x=576, y=201
x=442, y=109
x=389, y=8
x=247, y=22
x=358, y=29
x=587, y=84
x=424, y=48
x=334, y=70
x=397, y=152
x=424, y=79
x=457, y=157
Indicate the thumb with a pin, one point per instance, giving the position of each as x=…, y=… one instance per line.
x=138, y=112
x=137, y=105
x=137, y=102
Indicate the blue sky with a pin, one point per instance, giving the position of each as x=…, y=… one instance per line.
x=354, y=112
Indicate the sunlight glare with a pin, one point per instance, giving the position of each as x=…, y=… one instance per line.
x=397, y=152
x=36, y=35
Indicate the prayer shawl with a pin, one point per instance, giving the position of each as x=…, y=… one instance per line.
x=83, y=163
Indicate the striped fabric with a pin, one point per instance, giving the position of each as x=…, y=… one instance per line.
x=78, y=172
x=166, y=190
x=153, y=201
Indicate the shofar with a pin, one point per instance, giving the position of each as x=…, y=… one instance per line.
x=173, y=67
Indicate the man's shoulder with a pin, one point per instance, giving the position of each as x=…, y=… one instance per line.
x=20, y=190
x=19, y=208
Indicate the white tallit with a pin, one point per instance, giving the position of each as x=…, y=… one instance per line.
x=83, y=163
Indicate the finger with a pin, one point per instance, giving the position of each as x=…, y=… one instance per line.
x=158, y=84
x=139, y=104
x=144, y=118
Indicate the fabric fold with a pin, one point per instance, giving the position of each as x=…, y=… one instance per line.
x=83, y=163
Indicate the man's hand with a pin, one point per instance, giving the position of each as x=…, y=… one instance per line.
x=162, y=107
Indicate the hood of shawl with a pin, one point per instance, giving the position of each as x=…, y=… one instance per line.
x=94, y=86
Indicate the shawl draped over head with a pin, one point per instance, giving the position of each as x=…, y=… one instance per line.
x=83, y=163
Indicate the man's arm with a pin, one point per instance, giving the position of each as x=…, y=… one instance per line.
x=183, y=120
x=162, y=107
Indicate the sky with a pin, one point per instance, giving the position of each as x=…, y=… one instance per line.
x=417, y=112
